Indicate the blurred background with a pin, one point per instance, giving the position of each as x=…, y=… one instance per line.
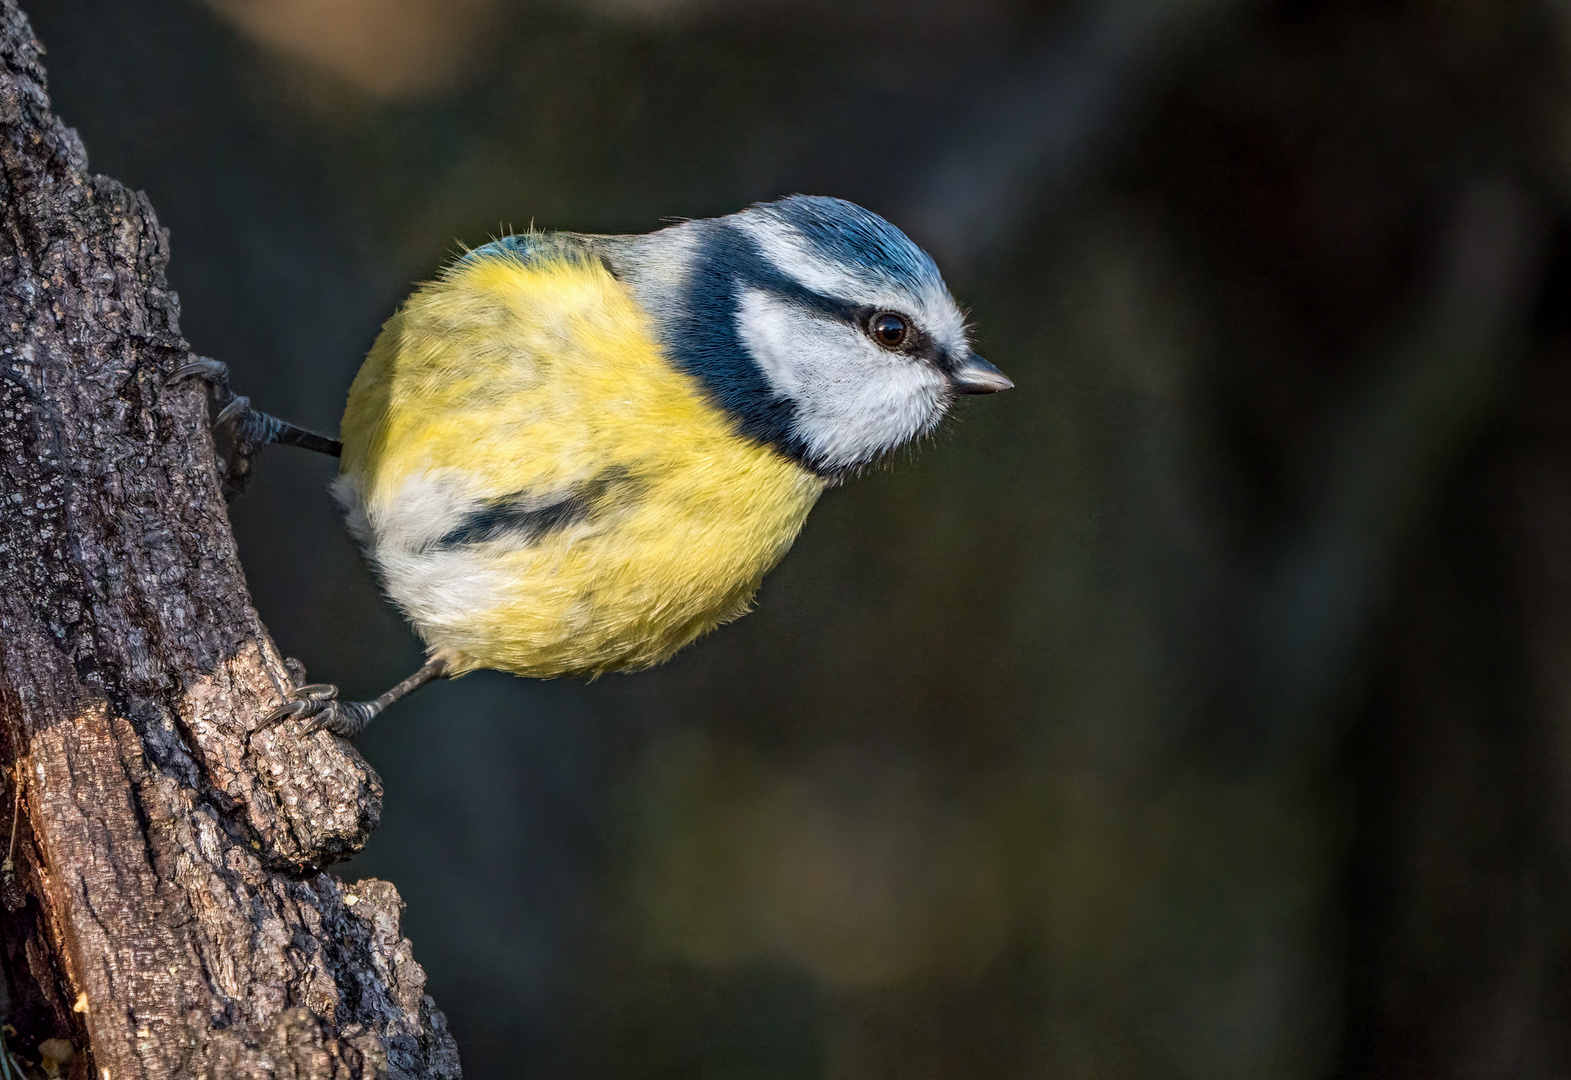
x=1200, y=708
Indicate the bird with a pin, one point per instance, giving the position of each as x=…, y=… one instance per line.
x=572, y=454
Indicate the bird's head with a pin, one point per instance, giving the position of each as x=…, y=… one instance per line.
x=819, y=326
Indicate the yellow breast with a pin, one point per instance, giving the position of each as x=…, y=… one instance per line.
x=540, y=490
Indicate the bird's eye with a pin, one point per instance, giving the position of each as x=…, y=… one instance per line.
x=888, y=329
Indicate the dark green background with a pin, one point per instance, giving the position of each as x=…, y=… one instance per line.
x=1200, y=708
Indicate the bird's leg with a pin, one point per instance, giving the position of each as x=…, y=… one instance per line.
x=249, y=429
x=318, y=703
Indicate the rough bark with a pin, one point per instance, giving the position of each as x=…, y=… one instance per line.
x=167, y=912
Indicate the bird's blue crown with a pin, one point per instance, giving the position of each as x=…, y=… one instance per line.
x=846, y=235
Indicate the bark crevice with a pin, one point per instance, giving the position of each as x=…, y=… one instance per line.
x=169, y=911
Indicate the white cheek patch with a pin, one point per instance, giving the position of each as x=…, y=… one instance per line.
x=933, y=308
x=854, y=401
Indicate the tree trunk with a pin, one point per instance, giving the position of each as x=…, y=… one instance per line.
x=165, y=908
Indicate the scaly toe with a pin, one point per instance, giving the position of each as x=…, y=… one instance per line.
x=237, y=406
x=309, y=701
x=346, y=719
x=208, y=370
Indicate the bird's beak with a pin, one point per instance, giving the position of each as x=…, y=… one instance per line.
x=977, y=376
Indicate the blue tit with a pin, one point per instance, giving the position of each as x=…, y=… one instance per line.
x=573, y=454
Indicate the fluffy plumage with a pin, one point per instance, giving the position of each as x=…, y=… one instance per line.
x=575, y=454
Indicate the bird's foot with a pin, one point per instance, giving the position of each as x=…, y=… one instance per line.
x=249, y=429
x=318, y=705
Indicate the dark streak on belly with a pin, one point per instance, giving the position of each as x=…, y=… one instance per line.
x=526, y=516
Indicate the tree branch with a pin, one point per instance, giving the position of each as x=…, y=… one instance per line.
x=167, y=912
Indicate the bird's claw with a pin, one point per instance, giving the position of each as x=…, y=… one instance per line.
x=214, y=373
x=307, y=700
x=232, y=407
x=234, y=412
x=237, y=407
x=318, y=705
x=249, y=428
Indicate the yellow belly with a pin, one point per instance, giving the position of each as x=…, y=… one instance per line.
x=540, y=490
